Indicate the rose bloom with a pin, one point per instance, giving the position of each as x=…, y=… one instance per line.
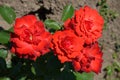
x=30, y=39
x=86, y=22
x=66, y=45
x=90, y=59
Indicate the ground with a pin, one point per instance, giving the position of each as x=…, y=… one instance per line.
x=52, y=9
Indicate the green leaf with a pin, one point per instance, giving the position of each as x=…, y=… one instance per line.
x=109, y=70
x=2, y=65
x=9, y=64
x=115, y=55
x=51, y=24
x=33, y=70
x=4, y=78
x=67, y=12
x=4, y=37
x=7, y=13
x=83, y=76
x=11, y=29
x=3, y=53
x=23, y=78
x=9, y=60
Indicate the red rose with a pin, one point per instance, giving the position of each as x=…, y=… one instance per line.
x=30, y=39
x=90, y=59
x=87, y=23
x=66, y=45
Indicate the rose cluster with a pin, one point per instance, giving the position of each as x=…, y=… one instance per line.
x=76, y=43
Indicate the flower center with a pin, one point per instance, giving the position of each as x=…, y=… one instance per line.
x=88, y=25
x=67, y=43
x=31, y=37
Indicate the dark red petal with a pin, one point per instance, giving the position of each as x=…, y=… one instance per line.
x=63, y=58
x=76, y=65
x=96, y=65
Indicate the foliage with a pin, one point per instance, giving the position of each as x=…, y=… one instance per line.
x=84, y=76
x=67, y=12
x=4, y=37
x=52, y=25
x=7, y=13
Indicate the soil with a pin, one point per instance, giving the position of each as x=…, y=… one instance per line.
x=52, y=9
